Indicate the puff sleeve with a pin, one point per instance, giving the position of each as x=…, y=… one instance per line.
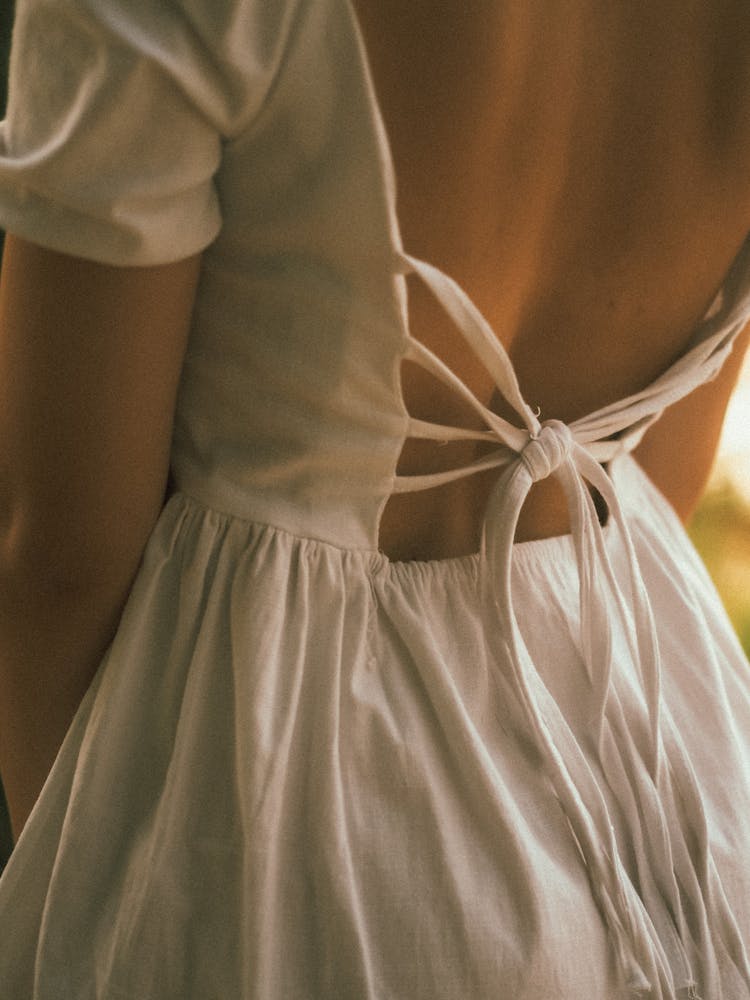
x=117, y=115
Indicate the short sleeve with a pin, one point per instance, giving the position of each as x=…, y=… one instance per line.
x=118, y=111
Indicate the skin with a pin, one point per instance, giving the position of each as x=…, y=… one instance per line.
x=90, y=358
x=590, y=210
x=583, y=170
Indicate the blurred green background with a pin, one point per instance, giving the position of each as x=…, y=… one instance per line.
x=720, y=529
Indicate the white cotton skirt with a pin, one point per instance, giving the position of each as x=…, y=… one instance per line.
x=301, y=772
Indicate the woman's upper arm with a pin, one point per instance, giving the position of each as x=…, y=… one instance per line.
x=90, y=358
x=678, y=451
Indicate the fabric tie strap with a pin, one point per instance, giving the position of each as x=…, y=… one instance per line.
x=655, y=962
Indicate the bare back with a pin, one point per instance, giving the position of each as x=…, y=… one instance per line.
x=583, y=170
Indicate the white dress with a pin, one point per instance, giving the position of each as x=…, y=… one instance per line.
x=304, y=771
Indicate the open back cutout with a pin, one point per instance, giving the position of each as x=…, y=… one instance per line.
x=455, y=406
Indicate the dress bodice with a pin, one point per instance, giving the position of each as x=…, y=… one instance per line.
x=293, y=414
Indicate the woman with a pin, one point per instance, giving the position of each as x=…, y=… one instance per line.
x=316, y=726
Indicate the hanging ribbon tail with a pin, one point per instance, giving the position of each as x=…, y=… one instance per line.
x=641, y=630
x=596, y=628
x=643, y=965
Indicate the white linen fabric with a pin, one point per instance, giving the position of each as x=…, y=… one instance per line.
x=304, y=770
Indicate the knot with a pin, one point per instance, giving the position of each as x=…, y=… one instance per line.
x=548, y=450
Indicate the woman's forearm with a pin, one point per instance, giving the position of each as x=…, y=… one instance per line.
x=52, y=639
x=90, y=358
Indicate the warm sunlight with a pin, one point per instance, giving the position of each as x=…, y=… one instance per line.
x=733, y=462
x=721, y=526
